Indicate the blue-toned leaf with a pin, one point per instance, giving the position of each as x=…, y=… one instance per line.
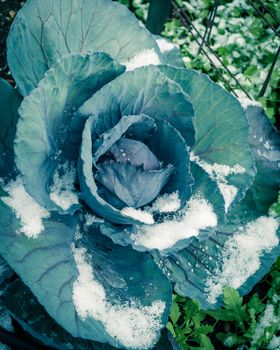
x=170, y=147
x=137, y=128
x=135, y=186
x=85, y=285
x=9, y=103
x=170, y=52
x=135, y=152
x=46, y=30
x=265, y=143
x=49, y=132
x=161, y=138
x=26, y=310
x=35, y=321
x=143, y=91
x=221, y=127
x=236, y=255
x=206, y=187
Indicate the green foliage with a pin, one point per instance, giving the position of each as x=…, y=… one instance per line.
x=276, y=207
x=237, y=25
x=251, y=321
x=187, y=325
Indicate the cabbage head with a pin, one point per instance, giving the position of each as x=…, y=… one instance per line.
x=124, y=176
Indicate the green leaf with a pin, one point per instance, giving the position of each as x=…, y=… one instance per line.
x=191, y=309
x=233, y=309
x=233, y=304
x=174, y=313
x=205, y=343
x=170, y=327
x=205, y=329
x=255, y=304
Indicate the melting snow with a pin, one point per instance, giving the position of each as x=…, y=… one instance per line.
x=144, y=58
x=138, y=214
x=218, y=173
x=63, y=190
x=167, y=203
x=131, y=324
x=26, y=209
x=241, y=255
x=197, y=215
x=268, y=319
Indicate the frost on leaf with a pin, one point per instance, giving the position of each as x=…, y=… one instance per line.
x=131, y=324
x=63, y=190
x=197, y=215
x=26, y=209
x=241, y=256
x=219, y=173
x=144, y=58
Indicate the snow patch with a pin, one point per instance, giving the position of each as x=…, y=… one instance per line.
x=246, y=102
x=268, y=319
x=165, y=45
x=197, y=215
x=218, y=173
x=241, y=255
x=167, y=203
x=138, y=214
x=26, y=209
x=92, y=219
x=62, y=190
x=131, y=324
x=143, y=58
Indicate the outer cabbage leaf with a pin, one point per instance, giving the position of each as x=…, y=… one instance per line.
x=9, y=103
x=236, y=255
x=46, y=30
x=221, y=127
x=48, y=132
x=25, y=308
x=59, y=269
x=265, y=143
